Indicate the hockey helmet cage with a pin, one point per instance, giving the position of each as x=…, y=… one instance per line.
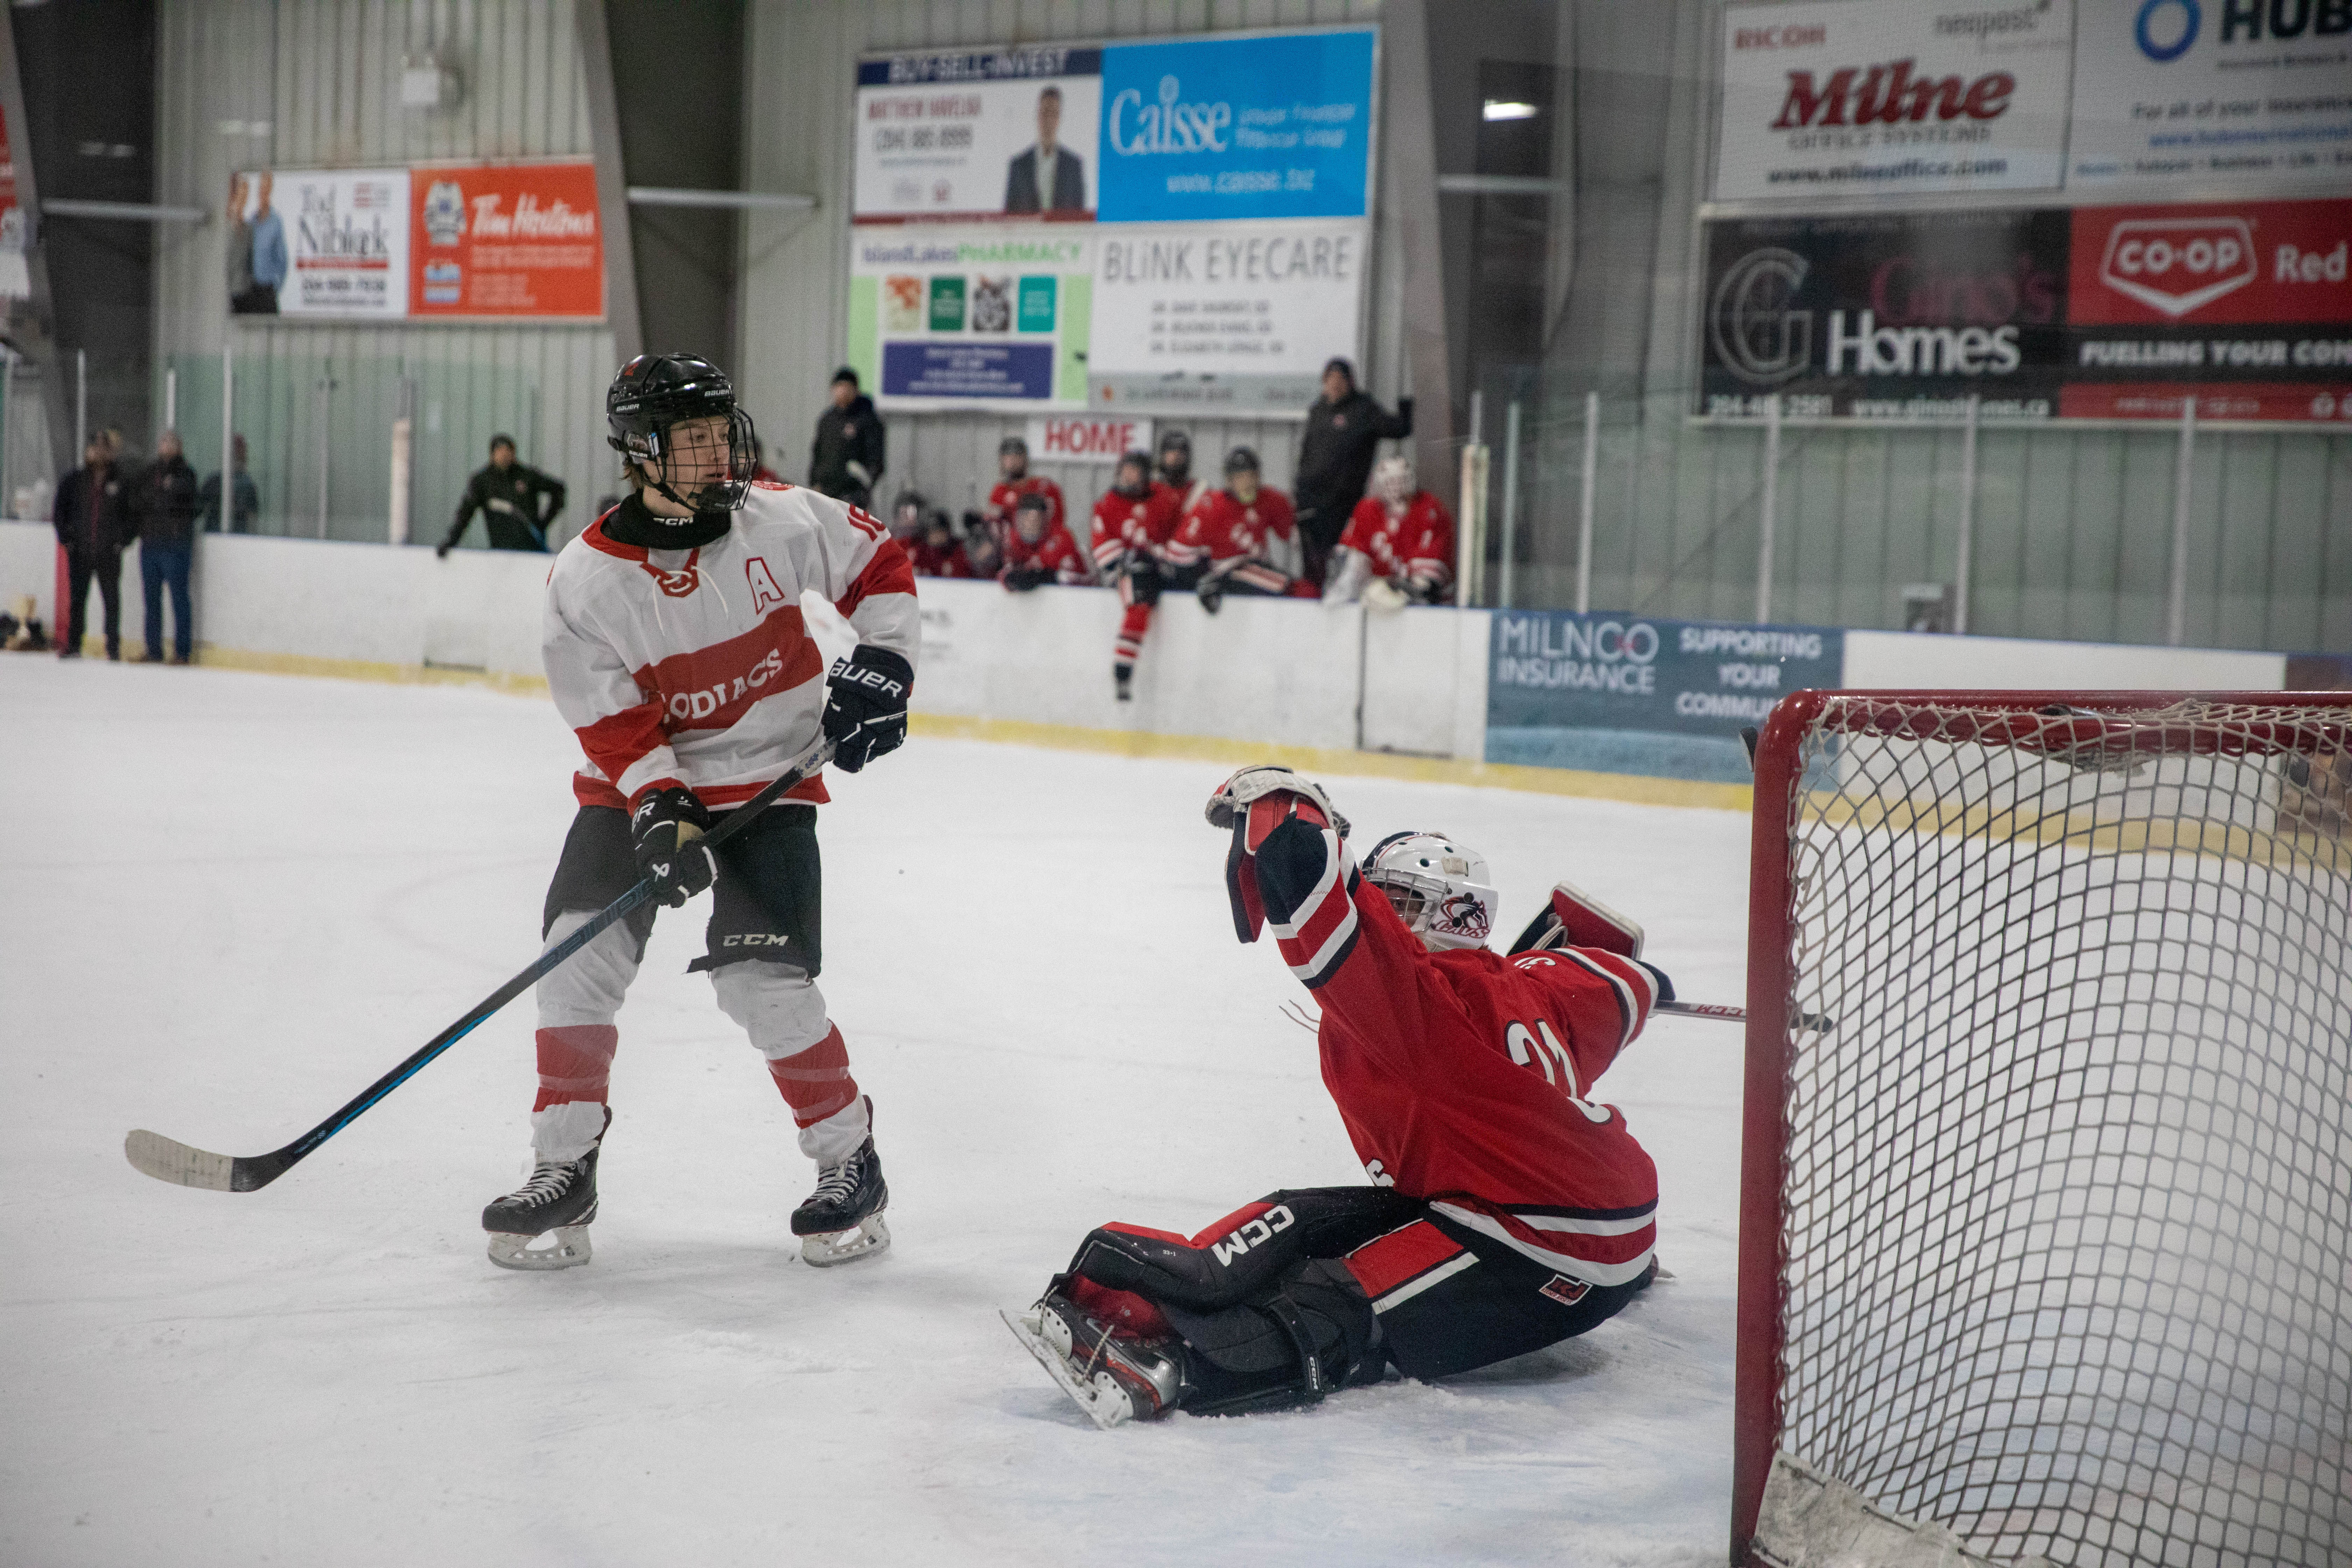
x=1175, y=441
x=1441, y=890
x=1394, y=480
x=1013, y=447
x=1140, y=461
x=1241, y=460
x=653, y=392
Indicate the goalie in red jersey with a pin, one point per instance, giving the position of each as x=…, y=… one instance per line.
x=1508, y=1210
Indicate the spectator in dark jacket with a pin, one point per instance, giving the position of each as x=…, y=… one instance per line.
x=92, y=517
x=246, y=499
x=1344, y=430
x=164, y=504
x=510, y=497
x=845, y=460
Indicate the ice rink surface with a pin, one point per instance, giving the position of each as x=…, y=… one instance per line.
x=233, y=899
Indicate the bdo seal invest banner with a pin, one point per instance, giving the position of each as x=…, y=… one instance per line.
x=1237, y=128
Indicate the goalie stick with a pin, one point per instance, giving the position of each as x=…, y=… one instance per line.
x=1819, y=1023
x=169, y=1160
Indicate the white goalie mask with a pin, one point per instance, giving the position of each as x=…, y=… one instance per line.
x=1394, y=480
x=1437, y=887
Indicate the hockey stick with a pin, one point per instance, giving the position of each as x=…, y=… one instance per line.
x=1819, y=1023
x=168, y=1160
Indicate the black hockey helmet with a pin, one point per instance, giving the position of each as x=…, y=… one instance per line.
x=1241, y=460
x=1140, y=461
x=653, y=392
x=1176, y=441
x=1013, y=445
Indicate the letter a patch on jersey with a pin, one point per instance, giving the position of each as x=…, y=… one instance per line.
x=764, y=592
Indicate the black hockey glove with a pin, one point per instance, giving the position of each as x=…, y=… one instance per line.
x=668, y=828
x=865, y=713
x=1023, y=579
x=1143, y=577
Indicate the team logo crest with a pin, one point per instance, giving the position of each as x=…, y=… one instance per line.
x=678, y=585
x=1566, y=1292
x=444, y=212
x=1465, y=914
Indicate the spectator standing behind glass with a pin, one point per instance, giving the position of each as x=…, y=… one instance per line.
x=92, y=517
x=1399, y=547
x=846, y=459
x=1344, y=430
x=508, y=495
x=164, y=504
x=270, y=267
x=244, y=503
x=1038, y=548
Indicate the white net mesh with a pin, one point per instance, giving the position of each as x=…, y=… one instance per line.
x=2067, y=1190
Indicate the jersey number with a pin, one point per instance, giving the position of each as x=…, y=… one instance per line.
x=1526, y=1050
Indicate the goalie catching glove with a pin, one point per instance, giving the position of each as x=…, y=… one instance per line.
x=1254, y=803
x=666, y=829
x=865, y=713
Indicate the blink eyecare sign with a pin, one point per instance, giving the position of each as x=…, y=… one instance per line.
x=1179, y=225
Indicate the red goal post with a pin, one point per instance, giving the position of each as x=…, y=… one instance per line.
x=2045, y=1246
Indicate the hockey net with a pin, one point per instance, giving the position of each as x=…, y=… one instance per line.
x=2046, y=1238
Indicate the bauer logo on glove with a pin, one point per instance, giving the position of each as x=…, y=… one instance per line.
x=865, y=711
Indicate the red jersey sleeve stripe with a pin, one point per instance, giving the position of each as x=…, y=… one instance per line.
x=618, y=742
x=888, y=573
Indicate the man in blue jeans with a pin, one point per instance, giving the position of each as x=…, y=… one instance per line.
x=164, y=502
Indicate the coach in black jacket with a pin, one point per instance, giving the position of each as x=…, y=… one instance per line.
x=847, y=457
x=1344, y=431
x=509, y=495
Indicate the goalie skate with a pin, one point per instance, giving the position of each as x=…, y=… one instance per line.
x=1113, y=1380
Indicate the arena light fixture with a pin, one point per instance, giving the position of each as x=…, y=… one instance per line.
x=1510, y=109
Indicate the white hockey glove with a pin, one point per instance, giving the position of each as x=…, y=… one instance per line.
x=1383, y=596
x=1236, y=794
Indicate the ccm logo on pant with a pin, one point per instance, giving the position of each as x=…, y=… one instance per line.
x=1257, y=1233
x=756, y=938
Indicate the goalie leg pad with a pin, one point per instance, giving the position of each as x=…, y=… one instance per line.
x=1288, y=1346
x=1244, y=1253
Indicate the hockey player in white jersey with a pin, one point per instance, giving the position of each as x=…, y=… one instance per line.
x=675, y=649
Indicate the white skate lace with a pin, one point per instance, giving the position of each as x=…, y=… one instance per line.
x=546, y=1184
x=836, y=1184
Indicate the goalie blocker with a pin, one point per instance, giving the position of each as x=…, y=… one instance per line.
x=1507, y=1211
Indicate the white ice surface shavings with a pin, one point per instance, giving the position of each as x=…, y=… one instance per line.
x=233, y=899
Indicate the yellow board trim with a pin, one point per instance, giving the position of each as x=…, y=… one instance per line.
x=1629, y=787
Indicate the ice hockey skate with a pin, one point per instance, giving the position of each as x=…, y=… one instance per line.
x=842, y=1220
x=555, y=1207
x=1115, y=1378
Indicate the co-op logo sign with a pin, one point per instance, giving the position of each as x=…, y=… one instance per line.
x=2175, y=264
x=1139, y=130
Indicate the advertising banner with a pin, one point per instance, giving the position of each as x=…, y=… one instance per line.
x=978, y=134
x=2215, y=92
x=1235, y=315
x=390, y=245
x=320, y=242
x=507, y=240
x=1830, y=98
x=1179, y=224
x=2093, y=312
x=1617, y=693
x=1059, y=439
x=983, y=311
x=1223, y=129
